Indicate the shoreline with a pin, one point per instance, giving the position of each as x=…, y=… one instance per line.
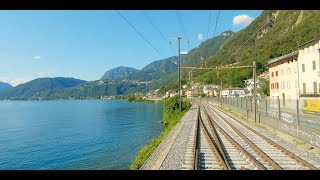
x=170, y=120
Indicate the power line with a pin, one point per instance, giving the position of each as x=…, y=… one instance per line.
x=180, y=21
x=209, y=26
x=156, y=27
x=248, y=39
x=217, y=19
x=182, y=27
x=138, y=32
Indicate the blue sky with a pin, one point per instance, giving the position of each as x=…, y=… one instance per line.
x=85, y=44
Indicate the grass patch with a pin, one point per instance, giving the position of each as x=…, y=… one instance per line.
x=171, y=118
x=299, y=142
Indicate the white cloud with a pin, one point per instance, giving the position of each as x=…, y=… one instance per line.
x=37, y=58
x=242, y=19
x=200, y=36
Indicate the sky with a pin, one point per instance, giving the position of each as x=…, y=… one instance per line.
x=85, y=44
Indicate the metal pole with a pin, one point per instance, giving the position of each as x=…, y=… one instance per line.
x=298, y=115
x=279, y=113
x=237, y=102
x=266, y=107
x=246, y=103
x=255, y=90
x=179, y=74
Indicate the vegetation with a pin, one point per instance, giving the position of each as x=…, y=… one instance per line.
x=156, y=70
x=118, y=73
x=264, y=89
x=170, y=117
x=41, y=88
x=206, y=49
x=281, y=32
x=133, y=98
x=272, y=34
x=4, y=86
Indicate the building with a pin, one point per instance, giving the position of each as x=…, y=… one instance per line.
x=296, y=74
x=232, y=92
x=171, y=93
x=309, y=69
x=249, y=84
x=264, y=75
x=189, y=93
x=210, y=90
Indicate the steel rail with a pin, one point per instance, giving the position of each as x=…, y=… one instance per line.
x=292, y=155
x=215, y=126
x=252, y=145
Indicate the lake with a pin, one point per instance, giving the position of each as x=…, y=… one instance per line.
x=75, y=134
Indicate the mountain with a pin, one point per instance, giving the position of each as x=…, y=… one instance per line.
x=272, y=34
x=206, y=49
x=118, y=73
x=4, y=86
x=39, y=88
x=156, y=70
x=97, y=89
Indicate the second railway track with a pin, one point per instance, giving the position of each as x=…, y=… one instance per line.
x=219, y=142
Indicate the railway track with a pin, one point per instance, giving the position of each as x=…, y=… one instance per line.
x=219, y=142
x=269, y=152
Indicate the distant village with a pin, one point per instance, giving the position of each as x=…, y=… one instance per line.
x=292, y=76
x=210, y=90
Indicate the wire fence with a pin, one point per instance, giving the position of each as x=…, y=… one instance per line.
x=301, y=112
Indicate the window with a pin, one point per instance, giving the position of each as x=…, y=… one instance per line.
x=282, y=72
x=303, y=68
x=272, y=86
x=304, y=88
x=282, y=85
x=288, y=84
x=277, y=86
x=272, y=74
x=296, y=83
x=276, y=73
x=313, y=65
x=315, y=87
x=288, y=71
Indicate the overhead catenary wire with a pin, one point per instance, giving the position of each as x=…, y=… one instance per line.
x=209, y=25
x=248, y=39
x=157, y=29
x=217, y=20
x=183, y=28
x=138, y=32
x=154, y=26
x=181, y=22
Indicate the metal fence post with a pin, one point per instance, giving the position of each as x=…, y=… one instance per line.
x=298, y=115
x=246, y=103
x=237, y=102
x=251, y=104
x=241, y=102
x=266, y=107
x=279, y=113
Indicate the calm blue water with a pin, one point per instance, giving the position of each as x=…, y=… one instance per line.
x=75, y=134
